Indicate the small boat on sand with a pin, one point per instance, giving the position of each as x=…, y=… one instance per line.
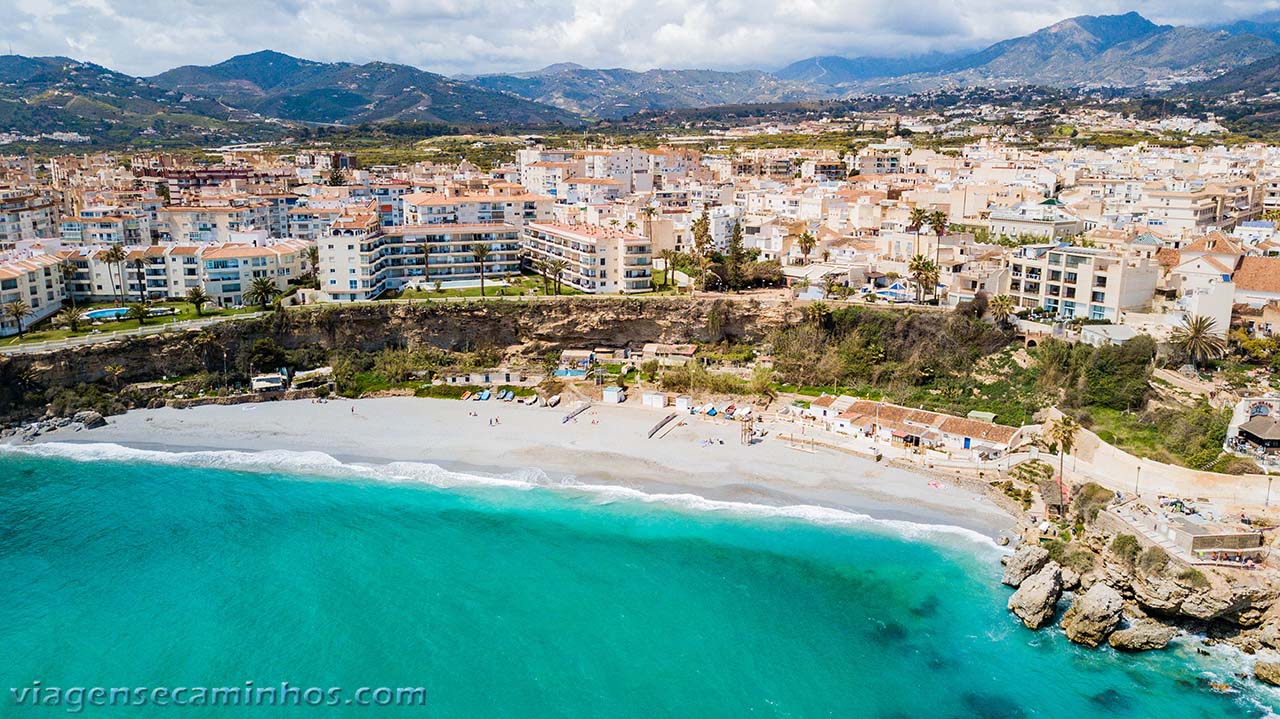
x=484, y=395
x=555, y=400
x=466, y=395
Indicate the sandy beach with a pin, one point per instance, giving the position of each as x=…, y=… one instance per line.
x=603, y=445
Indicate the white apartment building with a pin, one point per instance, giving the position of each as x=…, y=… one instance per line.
x=359, y=260
x=433, y=208
x=35, y=280
x=228, y=271
x=1080, y=282
x=24, y=215
x=215, y=223
x=1044, y=219
x=600, y=260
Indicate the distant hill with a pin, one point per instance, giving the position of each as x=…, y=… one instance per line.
x=616, y=93
x=1106, y=50
x=273, y=84
x=832, y=70
x=1254, y=79
x=59, y=94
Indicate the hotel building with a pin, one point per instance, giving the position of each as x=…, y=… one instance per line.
x=601, y=260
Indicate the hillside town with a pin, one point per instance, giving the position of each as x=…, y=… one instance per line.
x=1139, y=237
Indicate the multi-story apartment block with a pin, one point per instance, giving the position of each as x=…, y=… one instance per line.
x=433, y=208
x=1080, y=282
x=600, y=260
x=24, y=215
x=212, y=224
x=228, y=271
x=1046, y=219
x=359, y=260
x=36, y=281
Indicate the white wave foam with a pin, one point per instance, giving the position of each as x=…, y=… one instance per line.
x=324, y=465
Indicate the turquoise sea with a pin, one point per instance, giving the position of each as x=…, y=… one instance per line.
x=131, y=569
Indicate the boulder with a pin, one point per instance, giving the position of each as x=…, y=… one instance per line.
x=1070, y=580
x=1267, y=673
x=1141, y=637
x=1038, y=596
x=1028, y=560
x=1093, y=615
x=90, y=419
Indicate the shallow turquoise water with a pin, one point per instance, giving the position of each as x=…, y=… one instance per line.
x=524, y=603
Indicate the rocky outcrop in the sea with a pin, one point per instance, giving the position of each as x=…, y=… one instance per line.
x=1093, y=615
x=1026, y=561
x=1038, y=596
x=1142, y=636
x=1267, y=673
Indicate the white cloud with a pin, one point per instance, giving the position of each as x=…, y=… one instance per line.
x=452, y=36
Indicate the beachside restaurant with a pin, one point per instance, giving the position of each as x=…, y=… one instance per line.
x=1259, y=435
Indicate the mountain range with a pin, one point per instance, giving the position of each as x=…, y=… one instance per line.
x=256, y=94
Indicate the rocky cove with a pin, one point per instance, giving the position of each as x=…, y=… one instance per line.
x=1105, y=587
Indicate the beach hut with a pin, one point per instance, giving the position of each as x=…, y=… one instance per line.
x=684, y=403
x=613, y=395
x=654, y=399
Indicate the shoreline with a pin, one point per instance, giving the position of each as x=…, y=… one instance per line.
x=607, y=445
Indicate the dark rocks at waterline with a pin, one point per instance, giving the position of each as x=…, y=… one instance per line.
x=30, y=431
x=1093, y=615
x=1141, y=637
x=1037, y=596
x=1028, y=560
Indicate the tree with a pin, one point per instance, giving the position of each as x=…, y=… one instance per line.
x=71, y=318
x=1199, y=340
x=937, y=221
x=262, y=291
x=630, y=226
x=807, y=242
x=115, y=372
x=68, y=271
x=1063, y=433
x=924, y=273
x=649, y=212
x=313, y=263
x=197, y=298
x=540, y=266
x=137, y=311
x=668, y=265
x=1001, y=308
x=734, y=258
x=702, y=246
x=481, y=250
x=919, y=217
x=18, y=311
x=114, y=257
x=337, y=177
x=558, y=267
x=140, y=266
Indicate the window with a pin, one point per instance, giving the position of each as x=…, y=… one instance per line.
x=1099, y=297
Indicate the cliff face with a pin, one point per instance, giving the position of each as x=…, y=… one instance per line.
x=524, y=328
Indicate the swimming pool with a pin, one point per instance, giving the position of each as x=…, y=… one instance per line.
x=570, y=373
x=108, y=313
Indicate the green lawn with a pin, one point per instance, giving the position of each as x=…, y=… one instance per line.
x=45, y=330
x=523, y=285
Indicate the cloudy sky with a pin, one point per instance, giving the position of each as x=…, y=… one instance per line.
x=465, y=36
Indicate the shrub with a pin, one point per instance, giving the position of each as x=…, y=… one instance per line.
x=1193, y=578
x=1079, y=560
x=1153, y=560
x=1091, y=499
x=1126, y=547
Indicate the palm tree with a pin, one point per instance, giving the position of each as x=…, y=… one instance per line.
x=806, y=242
x=1199, y=340
x=558, y=267
x=938, y=221
x=139, y=266
x=481, y=250
x=197, y=298
x=313, y=262
x=114, y=371
x=71, y=318
x=68, y=270
x=919, y=217
x=668, y=265
x=1001, y=308
x=113, y=257
x=922, y=270
x=18, y=311
x=630, y=226
x=262, y=291
x=828, y=286
x=1063, y=433
x=648, y=213
x=540, y=266
x=137, y=311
